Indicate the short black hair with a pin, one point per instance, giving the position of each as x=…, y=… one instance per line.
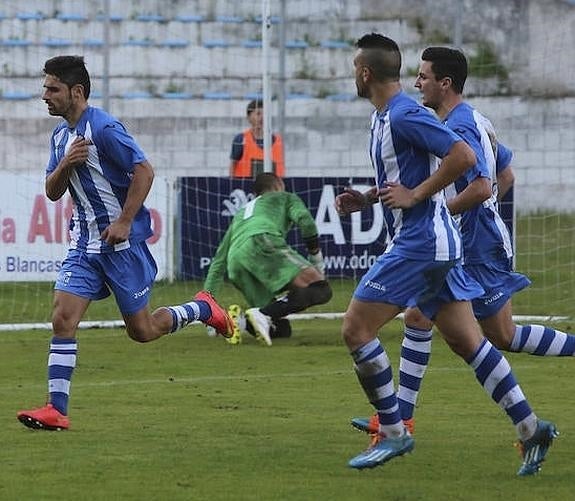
x=253, y=105
x=265, y=181
x=381, y=55
x=70, y=70
x=447, y=62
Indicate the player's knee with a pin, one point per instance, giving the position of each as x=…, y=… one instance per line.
x=139, y=335
x=416, y=320
x=319, y=292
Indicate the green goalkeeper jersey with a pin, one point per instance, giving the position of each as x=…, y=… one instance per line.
x=275, y=213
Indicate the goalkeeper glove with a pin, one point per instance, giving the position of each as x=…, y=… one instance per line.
x=317, y=261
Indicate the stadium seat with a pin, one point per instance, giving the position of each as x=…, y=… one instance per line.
x=212, y=44
x=92, y=42
x=71, y=17
x=15, y=42
x=114, y=18
x=56, y=42
x=30, y=16
x=176, y=95
x=296, y=44
x=150, y=18
x=17, y=95
x=230, y=19
x=253, y=95
x=217, y=95
x=252, y=44
x=174, y=44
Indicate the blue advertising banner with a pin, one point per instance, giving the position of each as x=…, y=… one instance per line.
x=349, y=244
x=206, y=205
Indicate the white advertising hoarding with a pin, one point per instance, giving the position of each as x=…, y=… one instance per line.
x=34, y=230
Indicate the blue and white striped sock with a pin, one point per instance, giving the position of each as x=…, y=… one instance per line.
x=543, y=341
x=415, y=354
x=376, y=378
x=494, y=373
x=185, y=313
x=61, y=365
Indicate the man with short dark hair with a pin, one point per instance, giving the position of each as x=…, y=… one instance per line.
x=247, y=155
x=108, y=176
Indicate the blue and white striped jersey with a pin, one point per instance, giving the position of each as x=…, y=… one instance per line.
x=485, y=235
x=100, y=186
x=406, y=141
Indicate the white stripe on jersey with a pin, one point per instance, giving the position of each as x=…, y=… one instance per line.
x=105, y=191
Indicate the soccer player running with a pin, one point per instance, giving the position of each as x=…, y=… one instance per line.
x=260, y=263
x=422, y=262
x=108, y=176
x=486, y=242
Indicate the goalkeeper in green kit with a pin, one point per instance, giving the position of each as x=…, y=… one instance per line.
x=274, y=278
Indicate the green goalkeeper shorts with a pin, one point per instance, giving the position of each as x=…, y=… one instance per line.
x=263, y=266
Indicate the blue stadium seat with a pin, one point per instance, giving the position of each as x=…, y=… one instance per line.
x=174, y=44
x=334, y=44
x=150, y=18
x=137, y=94
x=296, y=44
x=93, y=42
x=114, y=18
x=252, y=44
x=230, y=19
x=189, y=18
x=17, y=95
x=211, y=44
x=216, y=95
x=15, y=42
x=253, y=95
x=71, y=17
x=57, y=42
x=30, y=16
x=176, y=95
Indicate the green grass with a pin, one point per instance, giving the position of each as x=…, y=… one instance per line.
x=192, y=418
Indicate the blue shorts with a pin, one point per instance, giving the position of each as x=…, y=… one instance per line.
x=499, y=281
x=129, y=274
x=426, y=284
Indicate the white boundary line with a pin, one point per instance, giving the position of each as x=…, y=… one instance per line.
x=119, y=324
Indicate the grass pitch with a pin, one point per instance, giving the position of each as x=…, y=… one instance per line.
x=190, y=417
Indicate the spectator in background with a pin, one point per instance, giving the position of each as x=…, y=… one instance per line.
x=108, y=176
x=247, y=156
x=260, y=263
